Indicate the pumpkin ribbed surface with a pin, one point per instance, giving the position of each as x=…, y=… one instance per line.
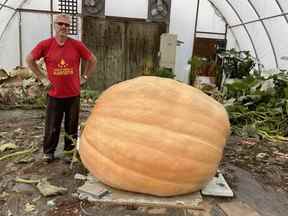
x=154, y=135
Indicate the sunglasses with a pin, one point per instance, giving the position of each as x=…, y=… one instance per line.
x=63, y=24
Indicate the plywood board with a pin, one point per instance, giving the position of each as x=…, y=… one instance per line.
x=218, y=187
x=96, y=191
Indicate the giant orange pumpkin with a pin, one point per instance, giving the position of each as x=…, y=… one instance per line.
x=154, y=135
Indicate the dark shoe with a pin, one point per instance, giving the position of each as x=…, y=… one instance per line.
x=48, y=157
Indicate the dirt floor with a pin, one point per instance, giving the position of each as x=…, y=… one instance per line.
x=257, y=171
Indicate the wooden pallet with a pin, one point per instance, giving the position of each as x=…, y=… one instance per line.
x=95, y=191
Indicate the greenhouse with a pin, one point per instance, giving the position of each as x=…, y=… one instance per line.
x=144, y=107
x=258, y=26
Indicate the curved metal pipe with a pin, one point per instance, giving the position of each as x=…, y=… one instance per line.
x=8, y=23
x=12, y=16
x=248, y=33
x=282, y=10
x=3, y=4
x=267, y=32
x=223, y=17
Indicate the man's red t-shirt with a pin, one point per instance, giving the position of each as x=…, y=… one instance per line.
x=62, y=64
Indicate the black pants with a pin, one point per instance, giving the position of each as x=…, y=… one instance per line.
x=56, y=108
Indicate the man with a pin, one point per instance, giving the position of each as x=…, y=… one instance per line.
x=62, y=57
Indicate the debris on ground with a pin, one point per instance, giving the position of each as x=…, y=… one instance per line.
x=19, y=86
x=7, y=146
x=44, y=187
x=29, y=207
x=30, y=150
x=237, y=208
x=47, y=189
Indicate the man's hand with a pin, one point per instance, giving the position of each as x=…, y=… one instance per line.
x=88, y=67
x=83, y=80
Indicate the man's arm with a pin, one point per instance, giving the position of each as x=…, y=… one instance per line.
x=33, y=66
x=89, y=66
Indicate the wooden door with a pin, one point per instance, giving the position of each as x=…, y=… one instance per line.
x=207, y=48
x=123, y=48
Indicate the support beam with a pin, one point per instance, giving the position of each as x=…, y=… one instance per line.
x=3, y=5
x=20, y=40
x=226, y=31
x=7, y=24
x=257, y=20
x=196, y=24
x=38, y=11
x=51, y=18
x=282, y=10
x=227, y=24
x=214, y=33
x=248, y=33
x=267, y=32
x=10, y=20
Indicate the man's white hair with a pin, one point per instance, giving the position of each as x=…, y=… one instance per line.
x=63, y=15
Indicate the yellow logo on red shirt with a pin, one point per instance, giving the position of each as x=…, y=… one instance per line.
x=62, y=69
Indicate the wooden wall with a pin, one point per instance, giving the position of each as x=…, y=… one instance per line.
x=123, y=47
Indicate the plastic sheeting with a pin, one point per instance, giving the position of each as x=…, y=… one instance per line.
x=264, y=22
x=21, y=31
x=260, y=26
x=9, y=54
x=123, y=8
x=209, y=20
x=40, y=30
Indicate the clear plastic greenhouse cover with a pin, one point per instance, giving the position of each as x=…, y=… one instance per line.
x=260, y=26
x=265, y=23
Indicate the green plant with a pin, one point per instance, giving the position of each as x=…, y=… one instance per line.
x=196, y=64
x=203, y=65
x=164, y=72
x=236, y=64
x=88, y=94
x=252, y=105
x=281, y=84
x=160, y=72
